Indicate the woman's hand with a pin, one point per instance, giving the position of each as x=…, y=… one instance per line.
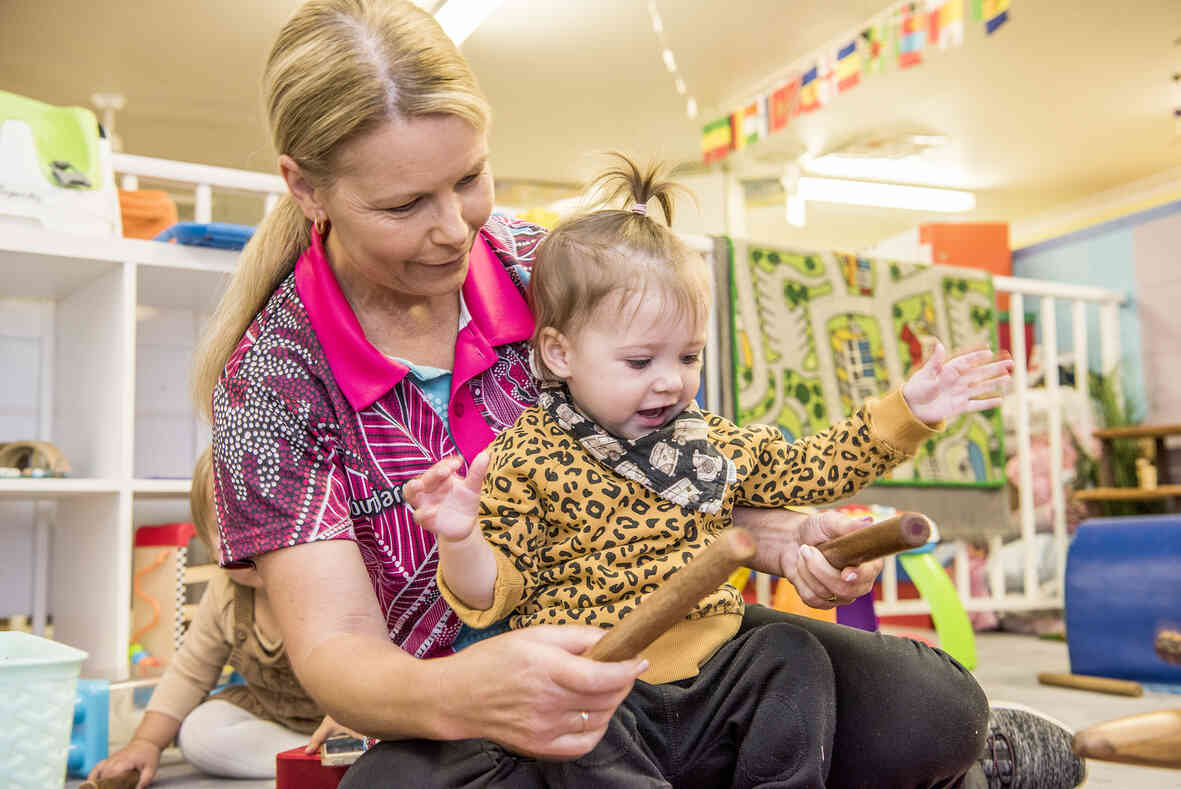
x=445, y=503
x=328, y=728
x=528, y=689
x=819, y=583
x=944, y=389
x=785, y=541
x=136, y=755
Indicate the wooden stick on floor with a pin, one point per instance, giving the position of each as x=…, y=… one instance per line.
x=1117, y=687
x=673, y=601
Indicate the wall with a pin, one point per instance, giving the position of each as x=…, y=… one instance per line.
x=1135, y=254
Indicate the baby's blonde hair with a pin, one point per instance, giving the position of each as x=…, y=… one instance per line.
x=616, y=252
x=201, y=502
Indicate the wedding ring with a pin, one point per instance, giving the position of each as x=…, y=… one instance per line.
x=585, y=718
x=832, y=598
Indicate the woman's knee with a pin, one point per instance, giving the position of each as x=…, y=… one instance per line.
x=427, y=764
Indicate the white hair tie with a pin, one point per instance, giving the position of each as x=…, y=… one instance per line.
x=640, y=208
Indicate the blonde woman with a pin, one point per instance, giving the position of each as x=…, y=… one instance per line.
x=377, y=325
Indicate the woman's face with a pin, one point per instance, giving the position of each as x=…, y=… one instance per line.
x=407, y=204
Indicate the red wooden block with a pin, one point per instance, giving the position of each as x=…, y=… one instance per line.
x=295, y=769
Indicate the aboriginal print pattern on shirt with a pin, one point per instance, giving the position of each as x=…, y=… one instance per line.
x=295, y=463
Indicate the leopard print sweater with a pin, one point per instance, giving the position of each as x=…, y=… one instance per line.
x=578, y=544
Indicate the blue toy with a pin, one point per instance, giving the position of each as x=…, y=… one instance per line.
x=89, y=737
x=219, y=235
x=1121, y=586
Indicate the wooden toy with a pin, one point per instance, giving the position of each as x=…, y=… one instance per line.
x=1151, y=739
x=1118, y=687
x=675, y=599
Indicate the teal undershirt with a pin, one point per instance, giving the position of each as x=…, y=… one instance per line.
x=435, y=385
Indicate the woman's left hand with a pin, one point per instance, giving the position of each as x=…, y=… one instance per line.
x=785, y=543
x=943, y=389
x=819, y=584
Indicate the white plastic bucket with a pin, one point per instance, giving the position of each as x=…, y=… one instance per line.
x=37, y=683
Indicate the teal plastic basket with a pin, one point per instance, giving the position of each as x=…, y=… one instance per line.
x=37, y=683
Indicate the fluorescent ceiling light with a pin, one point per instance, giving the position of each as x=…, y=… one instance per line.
x=905, y=169
x=669, y=62
x=911, y=198
x=459, y=18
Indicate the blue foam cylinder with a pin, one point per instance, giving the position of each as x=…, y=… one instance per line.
x=88, y=738
x=1123, y=582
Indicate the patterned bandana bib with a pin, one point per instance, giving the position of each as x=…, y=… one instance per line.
x=676, y=462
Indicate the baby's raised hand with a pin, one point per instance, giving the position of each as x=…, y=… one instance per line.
x=443, y=502
x=946, y=388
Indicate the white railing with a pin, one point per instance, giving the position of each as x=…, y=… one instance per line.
x=203, y=179
x=1033, y=595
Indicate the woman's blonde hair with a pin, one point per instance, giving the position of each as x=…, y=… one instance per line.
x=338, y=70
x=201, y=502
x=616, y=252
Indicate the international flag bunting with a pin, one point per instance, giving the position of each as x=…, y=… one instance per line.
x=848, y=67
x=827, y=81
x=912, y=36
x=716, y=139
x=782, y=102
x=810, y=99
x=996, y=13
x=753, y=123
x=909, y=27
x=946, y=23
x=873, y=46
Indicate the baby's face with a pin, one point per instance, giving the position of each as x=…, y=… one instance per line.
x=635, y=365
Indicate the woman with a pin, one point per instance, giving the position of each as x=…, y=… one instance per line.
x=377, y=323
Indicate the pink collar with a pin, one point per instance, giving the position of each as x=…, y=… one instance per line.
x=364, y=374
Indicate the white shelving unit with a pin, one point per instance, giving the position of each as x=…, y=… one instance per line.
x=96, y=343
x=98, y=365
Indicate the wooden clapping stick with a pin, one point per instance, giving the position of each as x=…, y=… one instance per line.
x=1116, y=687
x=1151, y=739
x=673, y=601
x=901, y=532
x=126, y=780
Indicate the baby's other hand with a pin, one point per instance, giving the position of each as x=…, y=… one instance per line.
x=445, y=503
x=943, y=389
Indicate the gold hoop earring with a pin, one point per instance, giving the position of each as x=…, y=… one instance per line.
x=321, y=224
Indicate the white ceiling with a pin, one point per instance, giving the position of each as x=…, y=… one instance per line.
x=1070, y=97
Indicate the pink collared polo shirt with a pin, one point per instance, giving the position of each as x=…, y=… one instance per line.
x=315, y=431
